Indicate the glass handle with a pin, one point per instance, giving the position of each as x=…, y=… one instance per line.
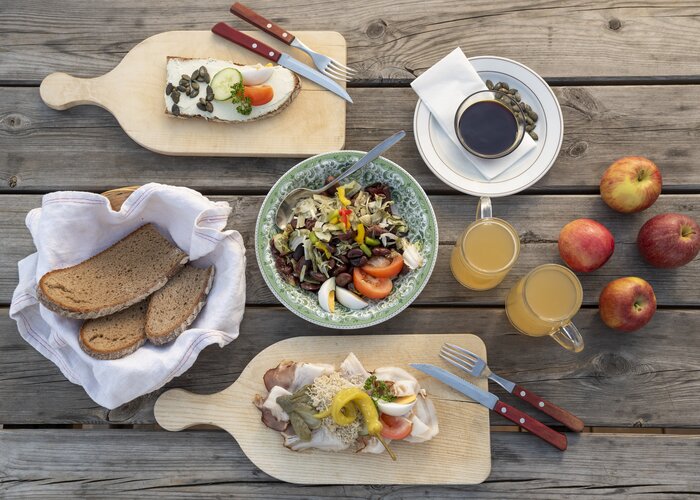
x=483, y=208
x=569, y=337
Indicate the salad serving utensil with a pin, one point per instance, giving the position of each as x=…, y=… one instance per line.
x=285, y=212
x=466, y=360
x=491, y=401
x=326, y=65
x=256, y=46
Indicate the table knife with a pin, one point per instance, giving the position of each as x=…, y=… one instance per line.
x=490, y=401
x=264, y=50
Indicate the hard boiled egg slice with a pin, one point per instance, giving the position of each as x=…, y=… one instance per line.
x=326, y=295
x=349, y=299
x=399, y=407
x=255, y=74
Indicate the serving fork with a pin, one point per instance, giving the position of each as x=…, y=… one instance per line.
x=326, y=65
x=477, y=367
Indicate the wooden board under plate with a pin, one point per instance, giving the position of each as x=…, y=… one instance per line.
x=134, y=93
x=459, y=454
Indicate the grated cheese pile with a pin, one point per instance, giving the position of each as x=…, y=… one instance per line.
x=322, y=392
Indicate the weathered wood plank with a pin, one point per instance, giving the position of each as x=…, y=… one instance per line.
x=538, y=219
x=84, y=148
x=646, y=379
x=148, y=464
x=388, y=41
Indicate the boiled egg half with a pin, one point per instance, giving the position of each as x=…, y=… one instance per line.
x=398, y=407
x=326, y=295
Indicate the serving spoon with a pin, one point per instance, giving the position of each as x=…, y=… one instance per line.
x=285, y=212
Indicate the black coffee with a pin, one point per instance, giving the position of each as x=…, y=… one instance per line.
x=488, y=127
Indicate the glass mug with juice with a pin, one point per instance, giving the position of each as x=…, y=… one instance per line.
x=544, y=302
x=485, y=251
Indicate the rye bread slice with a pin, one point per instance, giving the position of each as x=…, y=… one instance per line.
x=120, y=276
x=175, y=306
x=116, y=335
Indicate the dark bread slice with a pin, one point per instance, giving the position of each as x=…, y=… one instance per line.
x=175, y=306
x=120, y=276
x=116, y=335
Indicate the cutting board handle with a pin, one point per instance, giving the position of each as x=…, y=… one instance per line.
x=62, y=91
x=178, y=409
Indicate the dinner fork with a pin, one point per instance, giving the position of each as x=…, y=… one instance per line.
x=326, y=65
x=477, y=367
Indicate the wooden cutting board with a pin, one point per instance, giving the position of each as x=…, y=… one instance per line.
x=134, y=93
x=459, y=454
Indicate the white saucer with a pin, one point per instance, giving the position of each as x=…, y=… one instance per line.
x=445, y=158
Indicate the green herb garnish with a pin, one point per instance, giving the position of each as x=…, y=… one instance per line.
x=378, y=389
x=238, y=97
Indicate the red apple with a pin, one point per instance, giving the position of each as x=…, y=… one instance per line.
x=669, y=240
x=631, y=184
x=627, y=304
x=585, y=245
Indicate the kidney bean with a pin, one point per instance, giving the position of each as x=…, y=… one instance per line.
x=343, y=279
x=298, y=252
x=340, y=269
x=344, y=259
x=375, y=231
x=332, y=263
x=363, y=261
x=311, y=287
x=354, y=253
x=347, y=236
x=309, y=224
x=315, y=275
x=293, y=223
x=331, y=248
x=381, y=251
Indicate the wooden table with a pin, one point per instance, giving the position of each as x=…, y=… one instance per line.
x=627, y=76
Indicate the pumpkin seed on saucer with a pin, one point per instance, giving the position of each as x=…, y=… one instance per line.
x=489, y=84
x=533, y=134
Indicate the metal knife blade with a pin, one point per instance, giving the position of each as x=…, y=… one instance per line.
x=468, y=389
x=307, y=72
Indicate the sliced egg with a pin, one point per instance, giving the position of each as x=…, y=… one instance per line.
x=396, y=409
x=349, y=299
x=326, y=295
x=255, y=74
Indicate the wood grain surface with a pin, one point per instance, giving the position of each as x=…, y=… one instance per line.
x=194, y=464
x=459, y=454
x=42, y=150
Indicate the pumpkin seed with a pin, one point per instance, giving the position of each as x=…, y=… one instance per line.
x=185, y=83
x=195, y=85
x=489, y=84
x=533, y=134
x=185, y=77
x=201, y=106
x=498, y=86
x=169, y=89
x=188, y=91
x=181, y=88
x=175, y=96
x=210, y=106
x=175, y=110
x=529, y=128
x=504, y=85
x=195, y=75
x=516, y=96
x=210, y=93
x=194, y=93
x=532, y=115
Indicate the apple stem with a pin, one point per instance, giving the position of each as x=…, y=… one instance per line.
x=686, y=231
x=642, y=175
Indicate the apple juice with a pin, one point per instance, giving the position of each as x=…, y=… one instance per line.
x=484, y=253
x=544, y=300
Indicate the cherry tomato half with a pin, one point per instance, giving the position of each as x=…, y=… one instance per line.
x=369, y=286
x=395, y=427
x=384, y=267
x=259, y=94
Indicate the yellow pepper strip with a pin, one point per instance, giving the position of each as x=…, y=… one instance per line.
x=360, y=238
x=341, y=196
x=335, y=220
x=346, y=417
x=322, y=246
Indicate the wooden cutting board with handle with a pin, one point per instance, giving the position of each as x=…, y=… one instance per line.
x=459, y=454
x=134, y=93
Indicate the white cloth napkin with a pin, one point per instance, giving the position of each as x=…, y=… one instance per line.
x=72, y=226
x=442, y=88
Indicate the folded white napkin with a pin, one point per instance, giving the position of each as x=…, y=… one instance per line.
x=72, y=226
x=442, y=88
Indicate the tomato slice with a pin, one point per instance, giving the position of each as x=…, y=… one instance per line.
x=369, y=286
x=395, y=427
x=259, y=94
x=384, y=267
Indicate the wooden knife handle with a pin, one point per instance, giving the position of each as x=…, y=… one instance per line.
x=249, y=15
x=559, y=414
x=556, y=439
x=245, y=41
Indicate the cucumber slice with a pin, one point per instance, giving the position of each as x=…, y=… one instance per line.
x=223, y=81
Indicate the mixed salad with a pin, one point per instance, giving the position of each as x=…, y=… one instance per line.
x=346, y=245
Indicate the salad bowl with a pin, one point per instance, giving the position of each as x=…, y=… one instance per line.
x=410, y=202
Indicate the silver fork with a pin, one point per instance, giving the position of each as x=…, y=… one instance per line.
x=466, y=360
x=326, y=65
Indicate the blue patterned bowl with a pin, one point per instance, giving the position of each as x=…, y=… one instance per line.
x=410, y=201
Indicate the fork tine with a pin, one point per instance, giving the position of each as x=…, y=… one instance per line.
x=457, y=357
x=455, y=363
x=464, y=351
x=471, y=359
x=338, y=65
x=335, y=76
x=337, y=71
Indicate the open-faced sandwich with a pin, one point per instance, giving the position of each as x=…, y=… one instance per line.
x=225, y=91
x=316, y=406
